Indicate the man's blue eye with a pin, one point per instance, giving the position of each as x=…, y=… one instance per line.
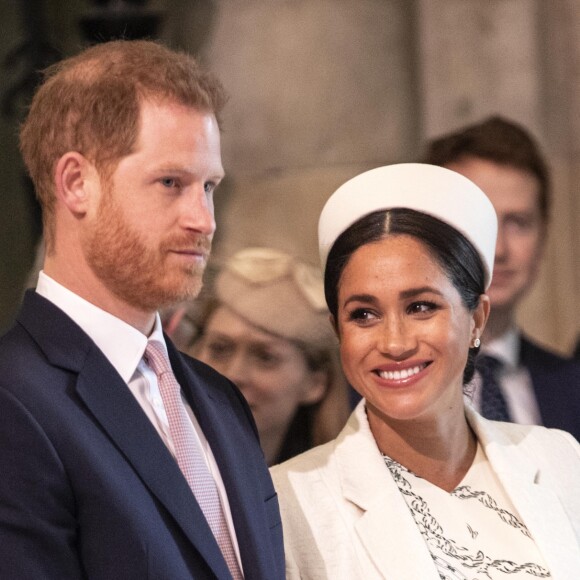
x=169, y=182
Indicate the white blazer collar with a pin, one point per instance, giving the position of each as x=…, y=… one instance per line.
x=386, y=528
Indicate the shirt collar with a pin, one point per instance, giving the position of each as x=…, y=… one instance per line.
x=121, y=343
x=505, y=348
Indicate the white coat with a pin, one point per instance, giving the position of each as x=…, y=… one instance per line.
x=344, y=517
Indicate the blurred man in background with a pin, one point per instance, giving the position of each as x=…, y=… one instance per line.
x=519, y=380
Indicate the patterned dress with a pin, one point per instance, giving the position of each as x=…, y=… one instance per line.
x=474, y=532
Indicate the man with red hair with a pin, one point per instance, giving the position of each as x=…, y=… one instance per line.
x=121, y=457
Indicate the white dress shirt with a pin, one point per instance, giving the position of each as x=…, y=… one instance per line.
x=514, y=380
x=124, y=346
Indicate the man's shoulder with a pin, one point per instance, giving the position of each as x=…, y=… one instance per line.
x=15, y=343
x=42, y=330
x=40, y=317
x=533, y=355
x=556, y=383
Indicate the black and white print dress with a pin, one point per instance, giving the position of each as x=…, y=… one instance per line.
x=474, y=532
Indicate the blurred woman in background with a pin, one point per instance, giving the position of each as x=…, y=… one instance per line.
x=266, y=328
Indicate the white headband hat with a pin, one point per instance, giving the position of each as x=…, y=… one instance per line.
x=430, y=189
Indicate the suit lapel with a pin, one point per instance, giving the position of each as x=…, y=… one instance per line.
x=553, y=380
x=518, y=474
x=541, y=375
x=114, y=406
x=397, y=550
x=118, y=413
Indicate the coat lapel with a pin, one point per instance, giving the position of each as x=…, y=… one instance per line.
x=118, y=413
x=519, y=475
x=114, y=406
x=397, y=550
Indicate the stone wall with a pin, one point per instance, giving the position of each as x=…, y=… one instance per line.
x=323, y=89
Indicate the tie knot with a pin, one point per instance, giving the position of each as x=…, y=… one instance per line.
x=493, y=403
x=156, y=358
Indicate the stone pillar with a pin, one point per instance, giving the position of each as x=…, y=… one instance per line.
x=319, y=91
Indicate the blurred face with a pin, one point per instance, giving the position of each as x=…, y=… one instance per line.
x=149, y=238
x=514, y=194
x=404, y=332
x=271, y=372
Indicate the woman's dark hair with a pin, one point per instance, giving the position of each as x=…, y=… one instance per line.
x=455, y=254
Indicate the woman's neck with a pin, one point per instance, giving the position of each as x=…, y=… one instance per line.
x=440, y=450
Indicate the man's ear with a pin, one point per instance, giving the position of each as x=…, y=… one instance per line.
x=74, y=176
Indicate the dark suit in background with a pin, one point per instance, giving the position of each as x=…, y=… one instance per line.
x=504, y=159
x=556, y=383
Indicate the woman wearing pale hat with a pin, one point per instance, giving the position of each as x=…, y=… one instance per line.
x=266, y=328
x=417, y=485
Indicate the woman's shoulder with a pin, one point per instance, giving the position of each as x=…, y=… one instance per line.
x=354, y=434
x=544, y=447
x=351, y=464
x=534, y=435
x=305, y=465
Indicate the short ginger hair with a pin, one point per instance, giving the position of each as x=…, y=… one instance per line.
x=90, y=103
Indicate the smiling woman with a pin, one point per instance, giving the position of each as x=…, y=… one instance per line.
x=418, y=485
x=402, y=343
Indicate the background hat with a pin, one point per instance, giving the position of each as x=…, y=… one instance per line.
x=430, y=189
x=277, y=293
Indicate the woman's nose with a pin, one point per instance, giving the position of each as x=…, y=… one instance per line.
x=237, y=371
x=396, y=339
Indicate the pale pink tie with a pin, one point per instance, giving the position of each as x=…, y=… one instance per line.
x=189, y=455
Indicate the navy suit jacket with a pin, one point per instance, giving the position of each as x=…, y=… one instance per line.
x=87, y=487
x=556, y=383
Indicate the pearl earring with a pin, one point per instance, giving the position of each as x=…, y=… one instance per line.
x=476, y=343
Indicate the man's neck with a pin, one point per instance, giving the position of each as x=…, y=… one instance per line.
x=95, y=292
